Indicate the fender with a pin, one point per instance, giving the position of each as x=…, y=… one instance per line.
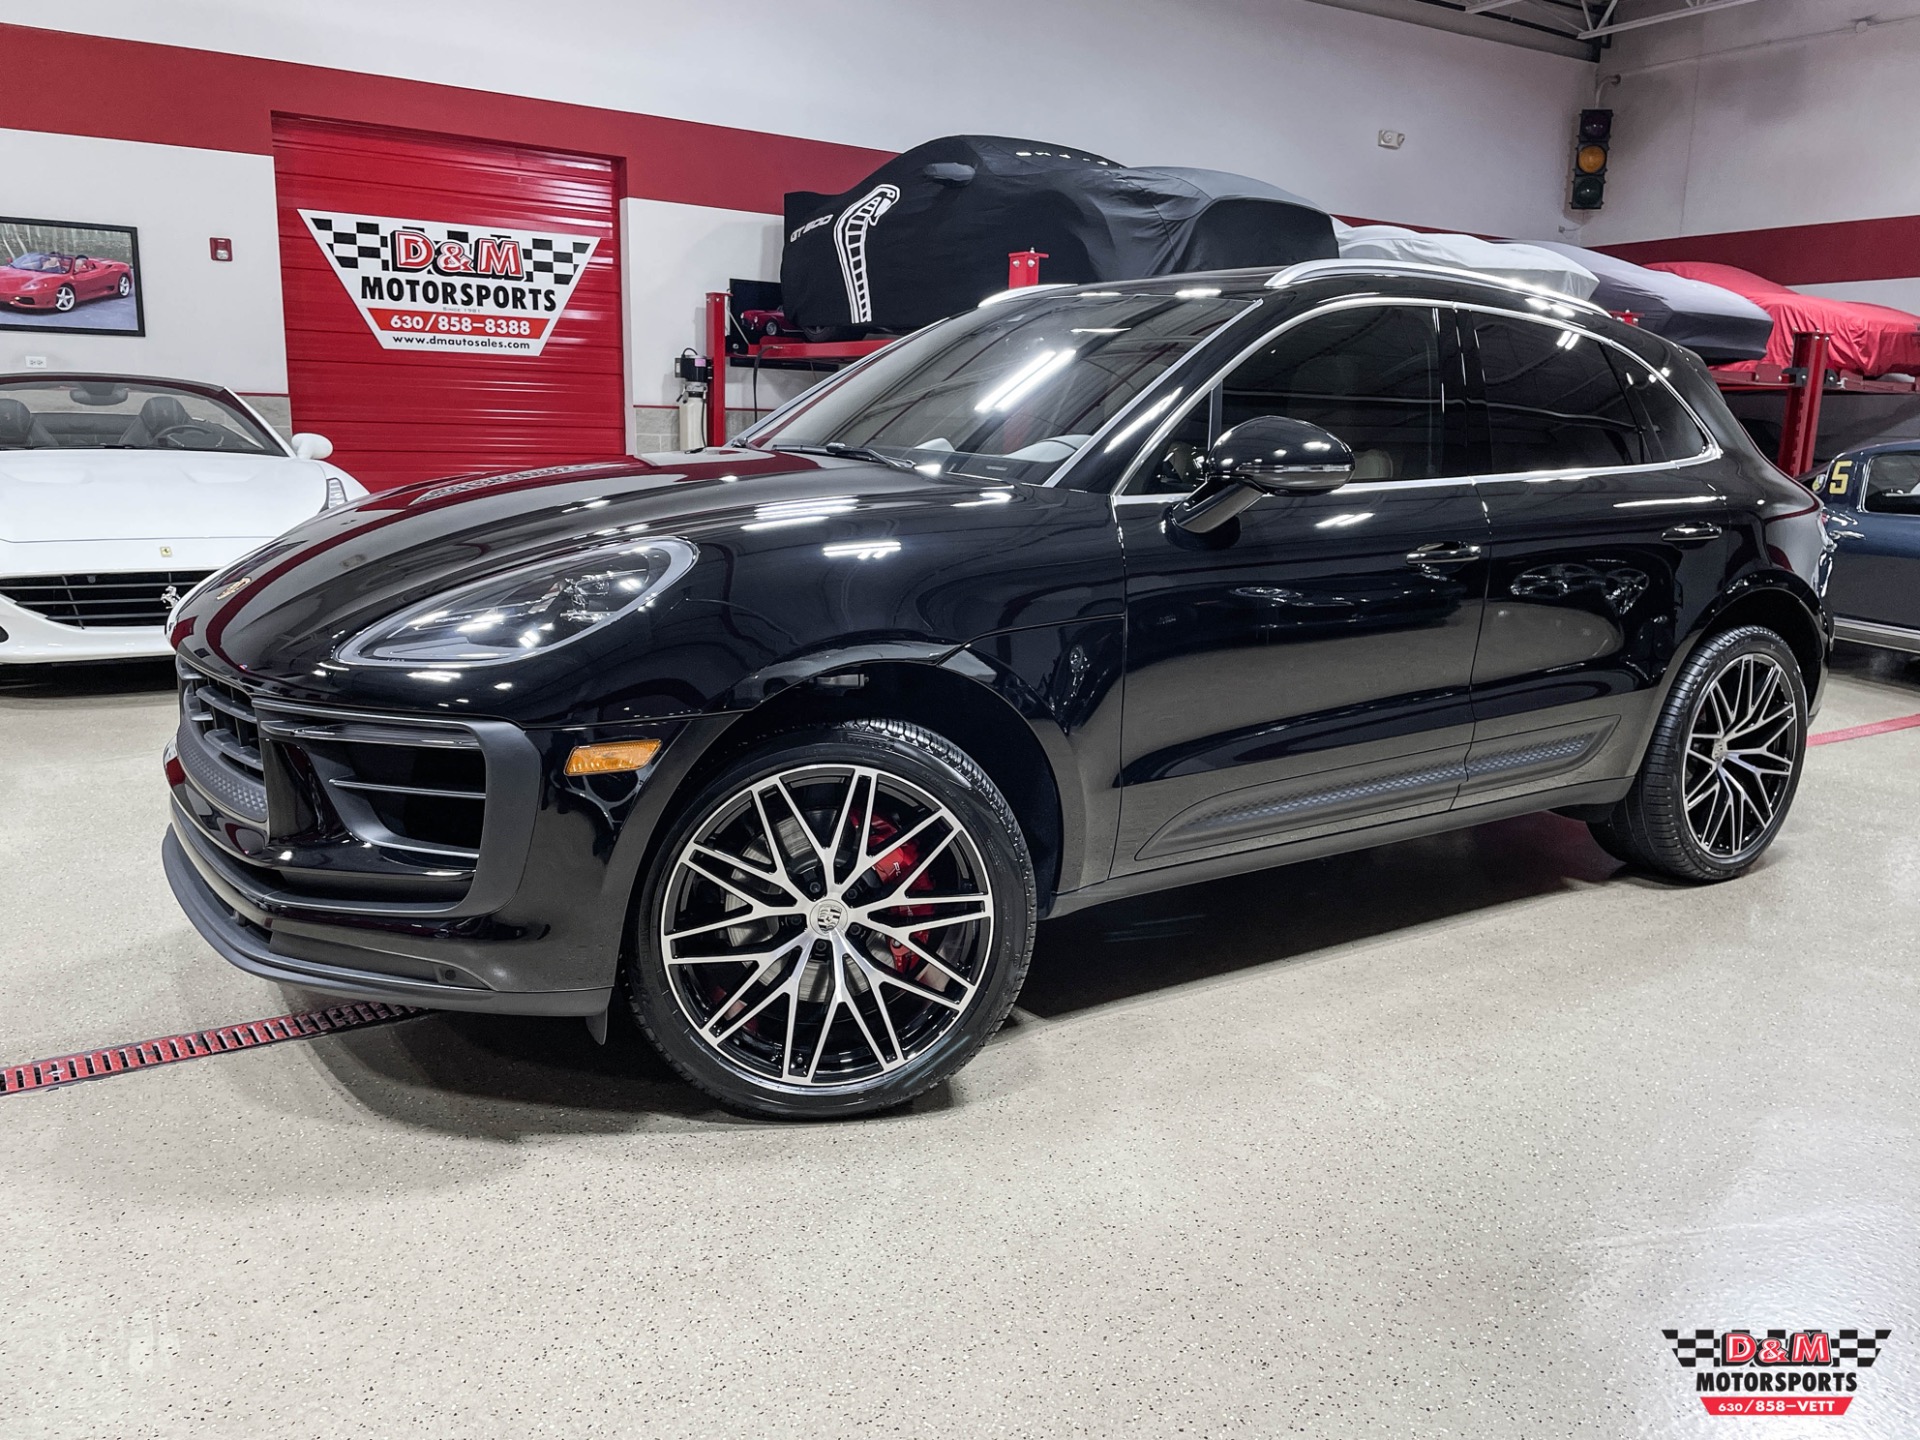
x=1049, y=680
x=1761, y=580
x=1064, y=681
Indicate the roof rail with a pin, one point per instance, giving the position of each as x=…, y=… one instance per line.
x=1314, y=269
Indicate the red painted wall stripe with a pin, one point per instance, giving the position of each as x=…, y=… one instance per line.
x=1830, y=254
x=1860, y=732
x=173, y=95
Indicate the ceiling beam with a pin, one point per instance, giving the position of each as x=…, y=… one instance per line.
x=1490, y=26
x=1685, y=13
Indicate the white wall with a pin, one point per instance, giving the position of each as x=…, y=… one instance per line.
x=1787, y=112
x=672, y=256
x=206, y=320
x=1285, y=90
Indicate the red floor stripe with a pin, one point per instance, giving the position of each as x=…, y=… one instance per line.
x=1860, y=732
x=169, y=1049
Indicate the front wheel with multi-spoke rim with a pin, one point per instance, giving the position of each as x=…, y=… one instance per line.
x=835, y=924
x=1723, y=765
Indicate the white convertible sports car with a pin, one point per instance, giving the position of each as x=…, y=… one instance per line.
x=119, y=494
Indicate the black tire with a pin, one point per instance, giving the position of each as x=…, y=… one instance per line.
x=831, y=334
x=1654, y=827
x=708, y=1030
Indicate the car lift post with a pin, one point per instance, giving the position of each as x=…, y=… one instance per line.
x=1801, y=424
x=717, y=304
x=1023, y=270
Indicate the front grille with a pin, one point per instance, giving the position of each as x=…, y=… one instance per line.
x=391, y=789
x=93, y=602
x=415, y=791
x=222, y=716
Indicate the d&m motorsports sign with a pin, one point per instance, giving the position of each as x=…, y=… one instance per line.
x=425, y=285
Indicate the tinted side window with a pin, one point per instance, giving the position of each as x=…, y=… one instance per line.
x=1893, y=484
x=1175, y=467
x=1553, y=401
x=1369, y=375
x=1671, y=432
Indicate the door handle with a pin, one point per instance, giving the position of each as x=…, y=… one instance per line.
x=1691, y=532
x=1443, y=552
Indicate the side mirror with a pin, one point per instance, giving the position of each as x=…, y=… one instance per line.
x=312, y=447
x=1268, y=455
x=949, y=173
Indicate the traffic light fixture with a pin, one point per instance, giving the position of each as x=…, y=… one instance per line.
x=1590, y=159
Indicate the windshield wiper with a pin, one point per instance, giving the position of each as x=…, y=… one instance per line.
x=845, y=452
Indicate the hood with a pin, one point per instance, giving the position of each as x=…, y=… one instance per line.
x=796, y=553
x=153, y=494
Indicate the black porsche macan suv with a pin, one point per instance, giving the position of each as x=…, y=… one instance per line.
x=1087, y=592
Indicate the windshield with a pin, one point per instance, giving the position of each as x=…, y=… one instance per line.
x=109, y=414
x=1008, y=392
x=32, y=260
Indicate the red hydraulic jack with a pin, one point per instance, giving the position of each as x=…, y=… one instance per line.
x=1801, y=424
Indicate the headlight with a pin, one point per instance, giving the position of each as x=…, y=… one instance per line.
x=528, y=610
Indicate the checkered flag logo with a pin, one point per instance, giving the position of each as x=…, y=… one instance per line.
x=352, y=244
x=1692, y=1348
x=559, y=260
x=1859, y=1349
x=359, y=242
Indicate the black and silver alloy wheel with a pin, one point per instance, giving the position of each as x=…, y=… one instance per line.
x=836, y=927
x=1741, y=756
x=1723, y=764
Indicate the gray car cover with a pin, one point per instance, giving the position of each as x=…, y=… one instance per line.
x=927, y=234
x=1717, y=325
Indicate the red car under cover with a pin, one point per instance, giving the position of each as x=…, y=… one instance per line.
x=1870, y=339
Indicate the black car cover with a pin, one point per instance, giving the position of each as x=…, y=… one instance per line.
x=927, y=234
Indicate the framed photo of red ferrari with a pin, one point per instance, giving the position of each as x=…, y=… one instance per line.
x=56, y=275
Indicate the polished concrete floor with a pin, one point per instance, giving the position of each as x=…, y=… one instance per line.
x=1431, y=1140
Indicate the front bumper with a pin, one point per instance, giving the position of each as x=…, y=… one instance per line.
x=287, y=872
x=117, y=590
x=30, y=639
x=215, y=910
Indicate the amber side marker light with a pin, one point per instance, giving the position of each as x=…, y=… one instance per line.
x=612, y=758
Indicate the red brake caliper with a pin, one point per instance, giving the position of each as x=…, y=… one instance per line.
x=890, y=867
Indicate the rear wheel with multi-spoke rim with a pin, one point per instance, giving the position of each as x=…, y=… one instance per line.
x=1723, y=765
x=835, y=924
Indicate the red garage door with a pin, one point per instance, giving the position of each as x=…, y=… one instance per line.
x=452, y=305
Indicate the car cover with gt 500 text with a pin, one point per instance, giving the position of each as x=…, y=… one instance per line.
x=927, y=234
